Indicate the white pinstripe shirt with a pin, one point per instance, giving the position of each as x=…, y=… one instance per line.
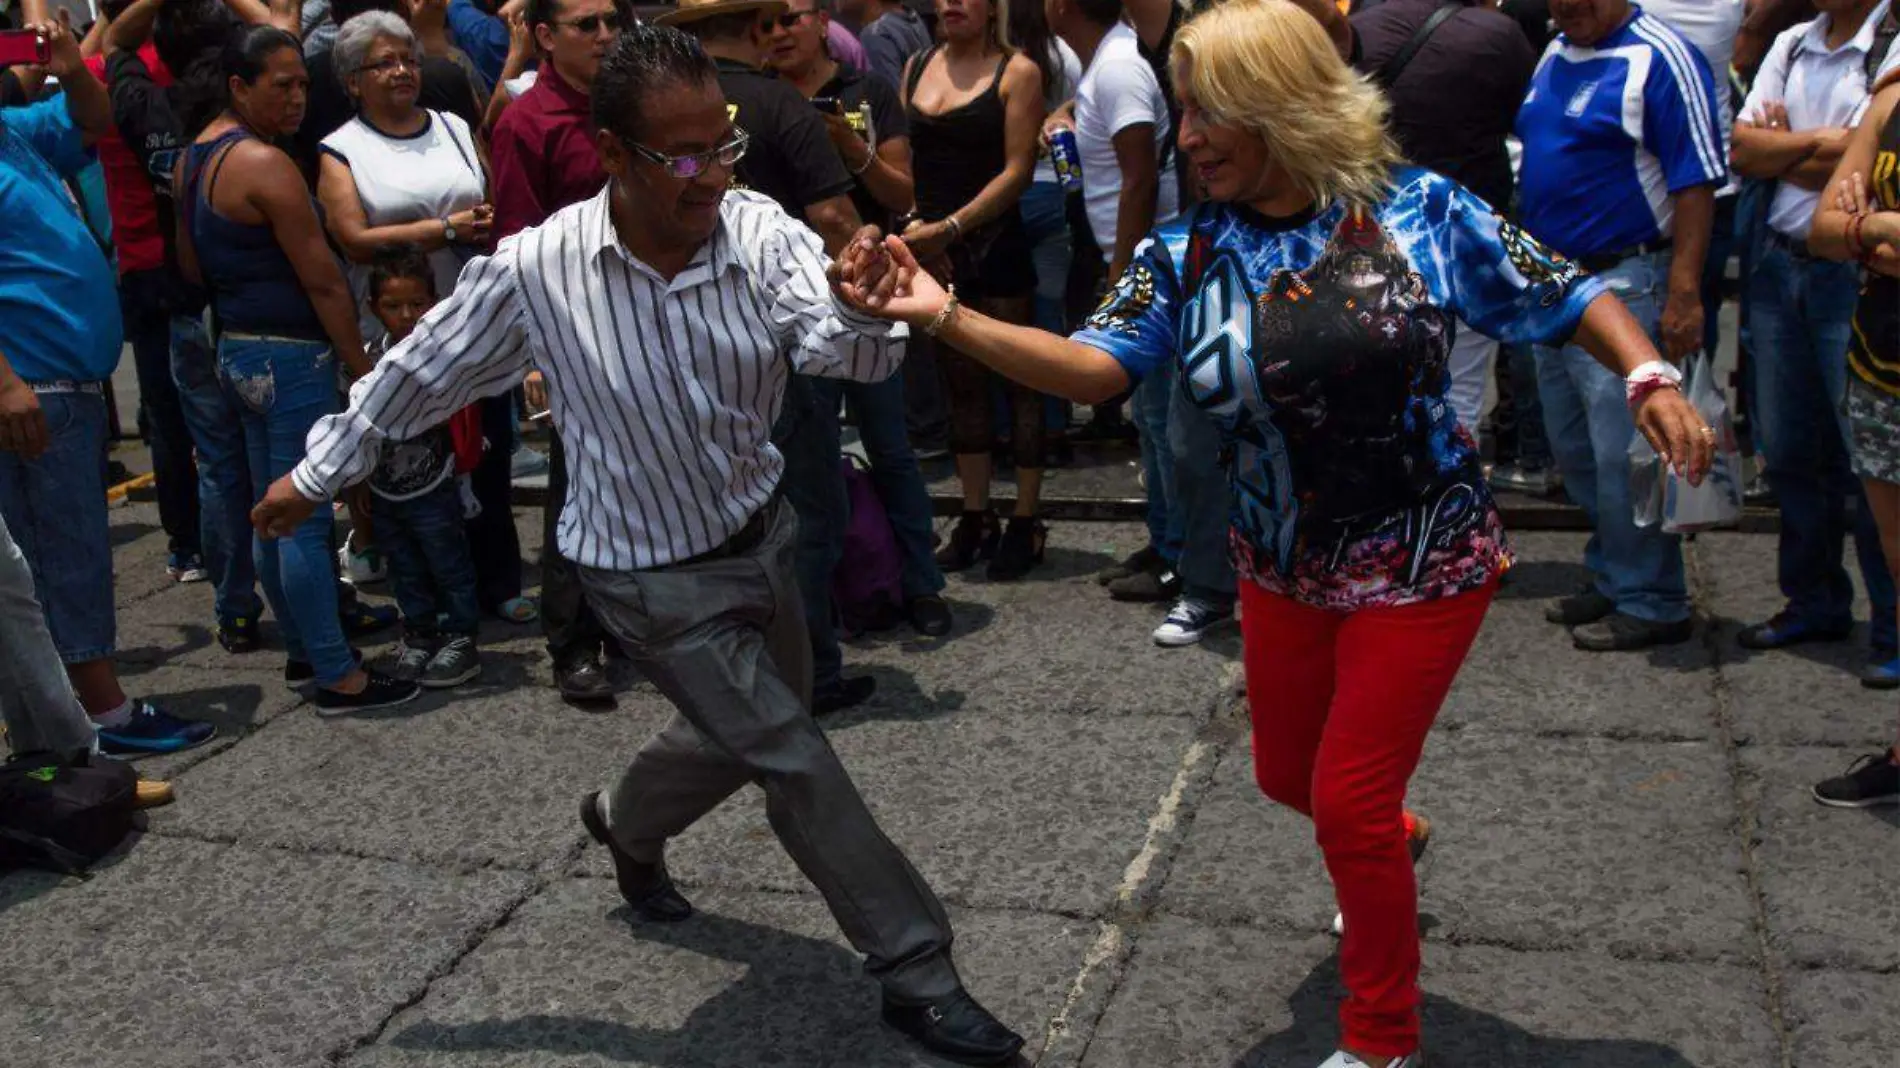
x=665, y=392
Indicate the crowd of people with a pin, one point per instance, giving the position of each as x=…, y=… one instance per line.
x=1341, y=270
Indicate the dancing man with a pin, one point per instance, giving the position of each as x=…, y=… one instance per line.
x=666, y=314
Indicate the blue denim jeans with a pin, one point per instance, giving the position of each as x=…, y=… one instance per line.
x=1533, y=441
x=1802, y=313
x=1046, y=217
x=1587, y=415
x=430, y=566
x=1201, y=503
x=813, y=484
x=56, y=508
x=215, y=421
x=1152, y=401
x=878, y=408
x=283, y=387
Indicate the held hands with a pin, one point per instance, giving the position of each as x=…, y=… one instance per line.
x=914, y=297
x=1676, y=431
x=282, y=510
x=472, y=224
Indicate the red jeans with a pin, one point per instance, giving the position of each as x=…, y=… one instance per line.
x=1341, y=705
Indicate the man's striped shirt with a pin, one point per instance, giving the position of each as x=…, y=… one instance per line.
x=665, y=391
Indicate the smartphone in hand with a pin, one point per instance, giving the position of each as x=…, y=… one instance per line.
x=23, y=46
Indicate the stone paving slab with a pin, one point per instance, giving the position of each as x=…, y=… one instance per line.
x=1525, y=674
x=1197, y=996
x=192, y=955
x=1584, y=843
x=1843, y=1019
x=753, y=980
x=1054, y=642
x=483, y=778
x=1830, y=878
x=1805, y=695
x=997, y=810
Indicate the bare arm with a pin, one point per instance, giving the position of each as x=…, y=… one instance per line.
x=1141, y=180
x=277, y=192
x=520, y=51
x=884, y=171
x=1813, y=173
x=86, y=99
x=835, y=219
x=286, y=15
x=1682, y=315
x=95, y=40
x=133, y=27
x=349, y=224
x=1878, y=231
x=1764, y=153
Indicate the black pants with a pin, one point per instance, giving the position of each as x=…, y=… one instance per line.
x=492, y=537
x=147, y=314
x=567, y=620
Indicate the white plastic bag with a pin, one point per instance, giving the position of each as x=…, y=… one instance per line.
x=1660, y=495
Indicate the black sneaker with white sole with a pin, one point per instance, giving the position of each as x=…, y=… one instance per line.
x=381, y=691
x=453, y=664
x=1869, y=782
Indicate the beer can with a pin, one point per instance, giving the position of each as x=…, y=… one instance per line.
x=1067, y=159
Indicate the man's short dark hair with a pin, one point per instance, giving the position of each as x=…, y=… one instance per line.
x=399, y=261
x=723, y=27
x=1101, y=12
x=542, y=13
x=645, y=58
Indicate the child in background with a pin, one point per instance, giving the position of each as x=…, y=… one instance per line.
x=418, y=508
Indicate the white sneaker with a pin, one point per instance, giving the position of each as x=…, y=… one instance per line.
x=1189, y=621
x=1342, y=1059
x=360, y=569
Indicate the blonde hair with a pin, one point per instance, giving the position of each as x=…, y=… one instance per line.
x=1268, y=67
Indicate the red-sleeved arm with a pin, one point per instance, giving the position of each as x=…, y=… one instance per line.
x=520, y=176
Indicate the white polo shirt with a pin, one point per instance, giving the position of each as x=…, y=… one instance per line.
x=1820, y=88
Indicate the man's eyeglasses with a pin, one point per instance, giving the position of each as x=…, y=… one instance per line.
x=788, y=19
x=592, y=23
x=390, y=65
x=697, y=163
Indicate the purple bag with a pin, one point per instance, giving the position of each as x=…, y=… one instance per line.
x=867, y=587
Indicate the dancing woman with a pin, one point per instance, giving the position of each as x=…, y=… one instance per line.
x=1309, y=305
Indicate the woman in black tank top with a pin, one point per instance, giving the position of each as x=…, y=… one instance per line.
x=1859, y=218
x=975, y=106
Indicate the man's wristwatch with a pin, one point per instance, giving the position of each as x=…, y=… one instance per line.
x=448, y=230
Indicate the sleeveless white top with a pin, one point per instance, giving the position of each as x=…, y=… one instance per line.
x=426, y=175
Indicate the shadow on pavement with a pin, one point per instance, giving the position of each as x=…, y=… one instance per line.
x=1537, y=580
x=1454, y=1035
x=800, y=1001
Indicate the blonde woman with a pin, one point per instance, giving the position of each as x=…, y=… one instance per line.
x=1309, y=304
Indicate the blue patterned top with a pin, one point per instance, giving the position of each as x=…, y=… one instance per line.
x=1319, y=344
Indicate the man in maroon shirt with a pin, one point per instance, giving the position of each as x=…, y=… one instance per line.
x=544, y=159
x=145, y=303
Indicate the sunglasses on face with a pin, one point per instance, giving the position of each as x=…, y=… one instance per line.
x=694, y=164
x=592, y=23
x=788, y=19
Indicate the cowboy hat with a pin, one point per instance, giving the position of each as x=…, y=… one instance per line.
x=693, y=10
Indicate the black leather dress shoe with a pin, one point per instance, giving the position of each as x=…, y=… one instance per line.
x=930, y=615
x=956, y=1028
x=848, y=693
x=583, y=680
x=647, y=887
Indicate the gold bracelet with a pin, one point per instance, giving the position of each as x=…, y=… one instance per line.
x=945, y=313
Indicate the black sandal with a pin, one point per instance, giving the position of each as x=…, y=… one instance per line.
x=1020, y=548
x=974, y=538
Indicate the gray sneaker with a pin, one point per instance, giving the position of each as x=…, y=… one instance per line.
x=412, y=658
x=1536, y=481
x=453, y=664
